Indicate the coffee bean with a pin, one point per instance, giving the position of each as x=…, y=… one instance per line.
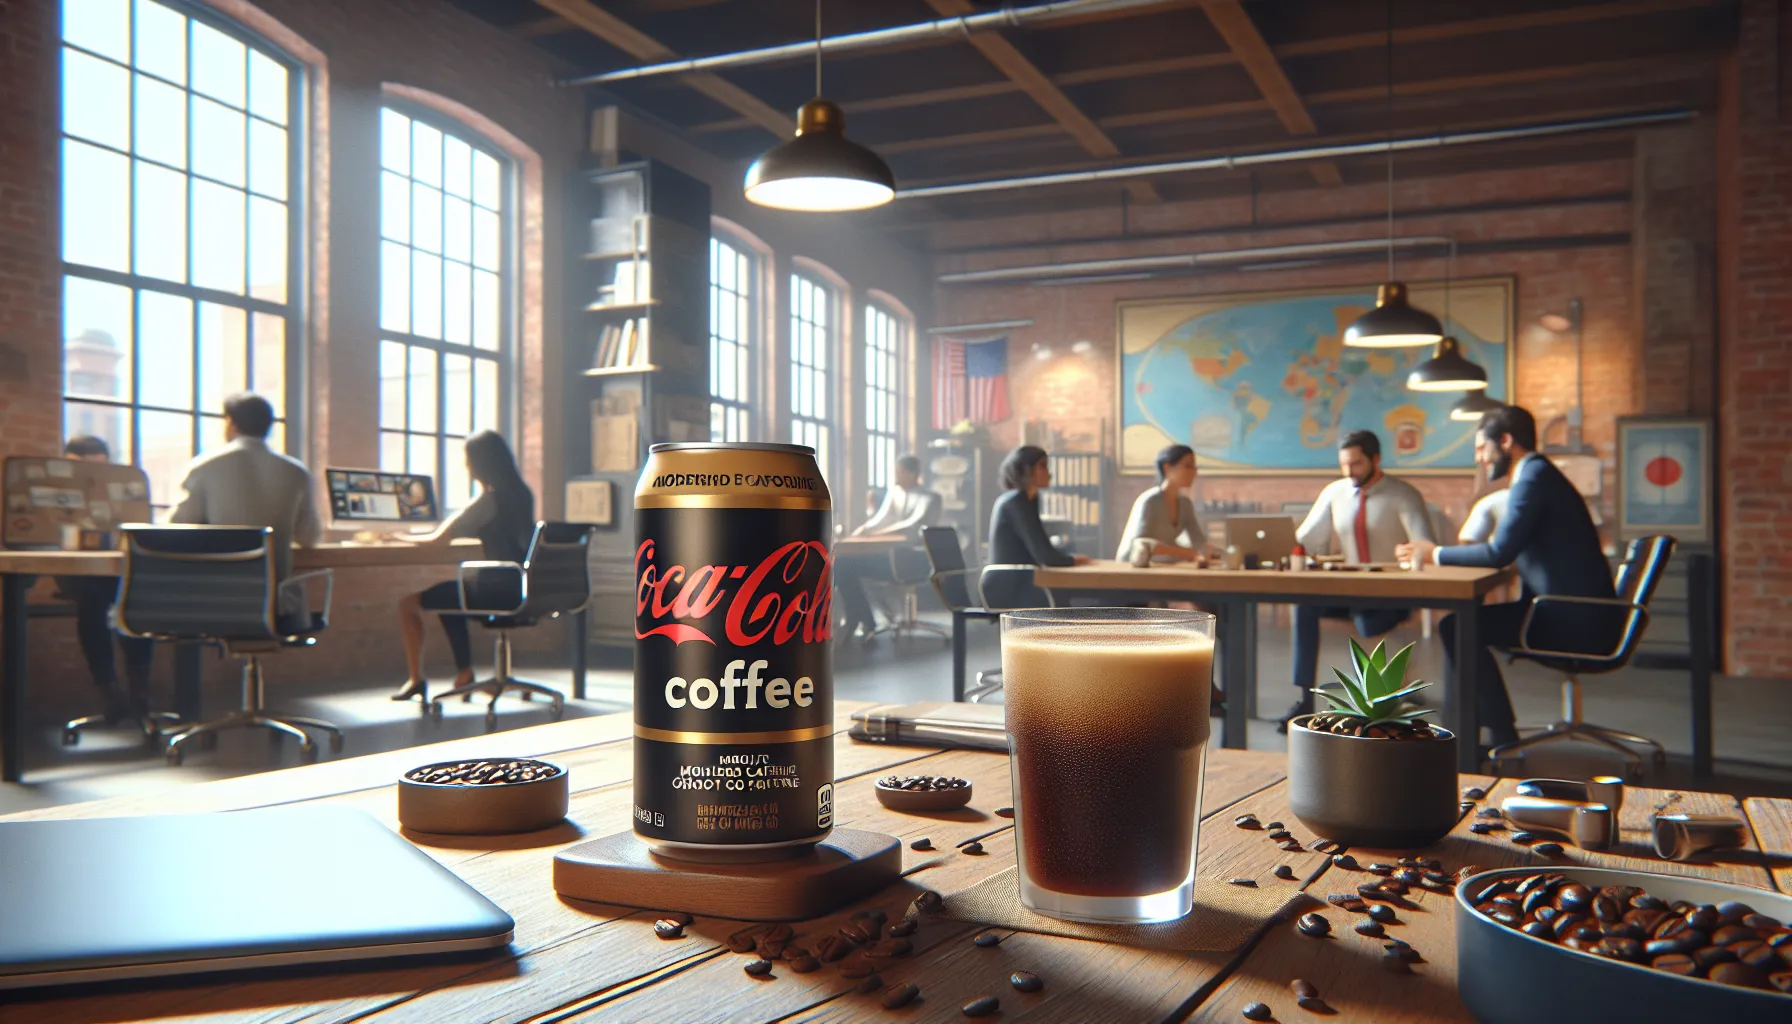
x=1546, y=914
x=1393, y=885
x=1346, y=902
x=1675, y=927
x=1489, y=812
x=1345, y=861
x=1004, y=811
x=1619, y=949
x=1303, y=989
x=1465, y=806
x=1283, y=871
x=1025, y=982
x=1395, y=963
x=973, y=848
x=758, y=968
x=1738, y=974
x=1662, y=947
x=1258, y=1011
x=1438, y=878
x=1648, y=920
x=1249, y=882
x=1492, y=889
x=982, y=1006
x=857, y=970
x=1379, y=868
x=929, y=901
x=1473, y=792
x=1733, y=911
x=831, y=949
x=873, y=914
x=1403, y=951
x=1704, y=917
x=903, y=929
x=1759, y=922
x=1272, y=826
x=1762, y=957
x=1313, y=1004
x=1731, y=933
x=1644, y=901
x=1573, y=897
x=901, y=996
x=741, y=943
x=869, y=984
x=1537, y=929
x=1383, y=913
x=1504, y=915
x=1408, y=876
x=772, y=949
x=794, y=953
x=804, y=964
x=779, y=932
x=922, y=843
x=1711, y=956
x=1280, y=836
x=1533, y=900
x=1314, y=925
x=1321, y=845
x=1247, y=821
x=1607, y=908
x=1481, y=828
x=666, y=928
x=987, y=939
x=1290, y=846
x=1522, y=837
x=1373, y=929
x=1676, y=963
x=1565, y=925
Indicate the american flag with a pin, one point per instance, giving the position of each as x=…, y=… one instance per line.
x=970, y=381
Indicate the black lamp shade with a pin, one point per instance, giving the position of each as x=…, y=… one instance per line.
x=1447, y=370
x=821, y=169
x=1393, y=323
x=1473, y=406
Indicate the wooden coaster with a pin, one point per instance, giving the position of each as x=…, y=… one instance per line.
x=848, y=865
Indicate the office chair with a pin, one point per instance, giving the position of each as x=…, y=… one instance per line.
x=1644, y=562
x=217, y=584
x=1013, y=588
x=553, y=580
x=910, y=568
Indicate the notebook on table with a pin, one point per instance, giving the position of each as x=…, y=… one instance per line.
x=958, y=726
x=102, y=899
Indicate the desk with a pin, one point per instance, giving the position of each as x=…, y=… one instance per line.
x=585, y=962
x=18, y=567
x=1235, y=593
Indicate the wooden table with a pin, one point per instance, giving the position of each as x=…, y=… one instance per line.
x=583, y=962
x=1235, y=594
x=18, y=570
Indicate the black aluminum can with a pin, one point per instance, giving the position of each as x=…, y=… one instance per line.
x=734, y=679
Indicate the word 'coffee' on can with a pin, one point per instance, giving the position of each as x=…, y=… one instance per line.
x=734, y=679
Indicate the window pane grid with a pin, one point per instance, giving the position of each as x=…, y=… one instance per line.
x=884, y=337
x=444, y=359
x=811, y=380
x=730, y=341
x=165, y=253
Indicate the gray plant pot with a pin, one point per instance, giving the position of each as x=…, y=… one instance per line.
x=1389, y=794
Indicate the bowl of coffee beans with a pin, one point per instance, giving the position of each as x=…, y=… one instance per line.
x=923, y=792
x=492, y=796
x=1537, y=946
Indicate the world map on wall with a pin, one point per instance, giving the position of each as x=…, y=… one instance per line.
x=1266, y=383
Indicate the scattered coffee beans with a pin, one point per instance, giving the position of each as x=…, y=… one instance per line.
x=1373, y=929
x=987, y=939
x=1314, y=1004
x=1290, y=845
x=982, y=1006
x=741, y=943
x=758, y=968
x=869, y=984
x=973, y=848
x=922, y=843
x=1381, y=912
x=1280, y=835
x=1004, y=811
x=1248, y=882
x=1314, y=925
x=1283, y=871
x=922, y=782
x=1247, y=821
x=1025, y=982
x=1303, y=989
x=1473, y=793
x=1346, y=901
x=901, y=996
x=1258, y=1011
x=1272, y=826
x=831, y=949
x=1549, y=849
x=804, y=964
x=1489, y=812
x=1522, y=837
x=1480, y=828
x=666, y=928
x=929, y=901
x=1345, y=861
x=1378, y=868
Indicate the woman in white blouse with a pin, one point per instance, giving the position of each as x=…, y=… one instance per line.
x=1165, y=514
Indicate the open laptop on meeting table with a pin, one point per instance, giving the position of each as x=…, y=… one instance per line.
x=375, y=504
x=1270, y=538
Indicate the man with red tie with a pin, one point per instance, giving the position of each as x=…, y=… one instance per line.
x=1363, y=517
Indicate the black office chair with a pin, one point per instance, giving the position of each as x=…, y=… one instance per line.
x=553, y=580
x=909, y=568
x=1644, y=562
x=217, y=584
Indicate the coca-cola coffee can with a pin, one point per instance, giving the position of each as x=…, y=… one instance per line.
x=734, y=675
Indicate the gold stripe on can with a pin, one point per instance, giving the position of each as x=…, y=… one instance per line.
x=815, y=732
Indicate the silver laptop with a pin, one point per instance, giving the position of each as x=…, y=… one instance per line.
x=100, y=899
x=1268, y=537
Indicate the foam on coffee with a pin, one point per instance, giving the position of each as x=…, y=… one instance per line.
x=1089, y=716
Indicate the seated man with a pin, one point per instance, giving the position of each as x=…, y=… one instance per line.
x=1363, y=516
x=907, y=507
x=246, y=483
x=93, y=597
x=1549, y=533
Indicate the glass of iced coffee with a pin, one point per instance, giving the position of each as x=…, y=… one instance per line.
x=1107, y=728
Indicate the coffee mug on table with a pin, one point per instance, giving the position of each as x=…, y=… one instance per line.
x=1107, y=732
x=1142, y=550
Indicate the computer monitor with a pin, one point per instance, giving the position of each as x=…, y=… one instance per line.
x=368, y=496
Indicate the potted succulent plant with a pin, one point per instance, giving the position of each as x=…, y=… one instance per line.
x=1371, y=771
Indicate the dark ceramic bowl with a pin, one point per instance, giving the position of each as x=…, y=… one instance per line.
x=1506, y=977
x=482, y=810
x=923, y=799
x=1387, y=794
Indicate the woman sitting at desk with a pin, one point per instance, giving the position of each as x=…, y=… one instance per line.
x=503, y=518
x=1165, y=514
x=1016, y=536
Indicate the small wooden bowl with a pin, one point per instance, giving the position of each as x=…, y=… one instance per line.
x=482, y=809
x=923, y=799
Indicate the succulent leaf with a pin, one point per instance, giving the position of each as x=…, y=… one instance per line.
x=1377, y=694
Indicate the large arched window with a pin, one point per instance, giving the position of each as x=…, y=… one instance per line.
x=732, y=323
x=445, y=271
x=180, y=230
x=812, y=331
x=886, y=352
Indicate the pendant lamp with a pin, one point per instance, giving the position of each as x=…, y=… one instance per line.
x=1473, y=406
x=1393, y=323
x=1447, y=370
x=821, y=170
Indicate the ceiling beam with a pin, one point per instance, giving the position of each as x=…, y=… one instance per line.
x=1011, y=62
x=1333, y=44
x=641, y=46
x=546, y=25
x=1252, y=50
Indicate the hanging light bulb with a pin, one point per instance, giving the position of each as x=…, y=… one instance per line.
x=1473, y=406
x=820, y=170
x=1393, y=323
x=1447, y=370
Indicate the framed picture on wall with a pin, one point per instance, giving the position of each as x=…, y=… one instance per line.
x=589, y=501
x=1262, y=383
x=1664, y=477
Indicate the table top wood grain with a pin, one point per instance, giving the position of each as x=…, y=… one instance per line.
x=578, y=961
x=321, y=556
x=1433, y=583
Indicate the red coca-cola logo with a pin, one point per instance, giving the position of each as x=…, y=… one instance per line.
x=787, y=596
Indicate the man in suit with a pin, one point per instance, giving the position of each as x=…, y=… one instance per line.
x=1548, y=532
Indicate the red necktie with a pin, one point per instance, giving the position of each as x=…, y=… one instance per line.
x=1362, y=526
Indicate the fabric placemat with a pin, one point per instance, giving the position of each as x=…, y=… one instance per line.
x=1223, y=918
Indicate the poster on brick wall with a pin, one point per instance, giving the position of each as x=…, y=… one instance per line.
x=1263, y=383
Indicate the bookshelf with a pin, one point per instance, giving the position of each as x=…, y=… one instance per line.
x=637, y=354
x=1077, y=495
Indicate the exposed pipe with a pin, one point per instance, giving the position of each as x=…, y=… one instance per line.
x=989, y=326
x=1049, y=273
x=1229, y=162
x=1008, y=16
